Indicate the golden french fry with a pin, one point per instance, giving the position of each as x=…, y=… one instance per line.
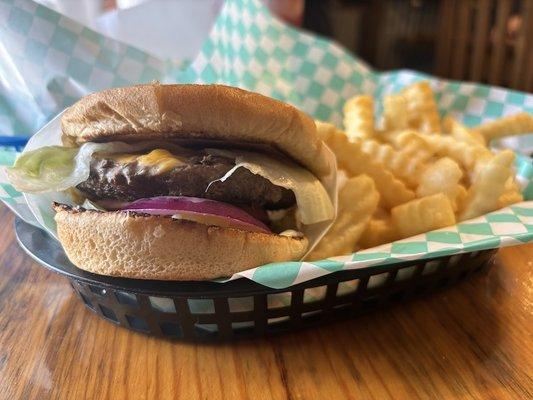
x=381, y=152
x=359, y=117
x=461, y=133
x=389, y=137
x=395, y=113
x=452, y=174
x=342, y=177
x=402, y=164
x=325, y=129
x=423, y=215
x=351, y=158
x=460, y=199
x=378, y=231
x=465, y=154
x=358, y=199
x=512, y=193
x=443, y=176
x=510, y=197
x=511, y=125
x=488, y=186
x=381, y=213
x=412, y=142
x=421, y=108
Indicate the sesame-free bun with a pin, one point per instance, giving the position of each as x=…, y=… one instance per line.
x=145, y=246
x=195, y=113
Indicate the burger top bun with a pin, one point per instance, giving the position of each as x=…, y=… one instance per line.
x=195, y=112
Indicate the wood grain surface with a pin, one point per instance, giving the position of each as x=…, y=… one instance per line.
x=473, y=341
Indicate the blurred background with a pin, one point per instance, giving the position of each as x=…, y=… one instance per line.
x=488, y=41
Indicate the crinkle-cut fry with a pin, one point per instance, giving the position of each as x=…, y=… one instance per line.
x=325, y=129
x=378, y=231
x=511, y=125
x=359, y=117
x=465, y=154
x=393, y=137
x=508, y=198
x=511, y=193
x=421, y=107
x=395, y=113
x=342, y=177
x=412, y=142
x=358, y=199
x=381, y=213
x=423, y=215
x=389, y=136
x=381, y=152
x=443, y=176
x=462, y=133
x=479, y=164
x=460, y=198
x=404, y=164
x=355, y=161
x=488, y=186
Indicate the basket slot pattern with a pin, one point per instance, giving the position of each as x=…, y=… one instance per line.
x=331, y=294
x=296, y=307
x=260, y=314
x=214, y=316
x=224, y=323
x=184, y=318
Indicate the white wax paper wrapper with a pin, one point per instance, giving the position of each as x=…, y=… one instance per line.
x=181, y=28
x=49, y=61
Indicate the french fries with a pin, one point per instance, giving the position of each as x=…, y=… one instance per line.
x=512, y=125
x=358, y=199
x=359, y=117
x=395, y=113
x=465, y=154
x=462, y=133
x=417, y=174
x=401, y=163
x=352, y=159
x=378, y=231
x=510, y=197
x=421, y=108
x=443, y=176
x=423, y=215
x=511, y=193
x=485, y=192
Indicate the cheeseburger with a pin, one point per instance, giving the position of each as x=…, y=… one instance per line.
x=182, y=182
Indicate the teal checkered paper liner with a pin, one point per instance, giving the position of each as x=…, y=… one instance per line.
x=51, y=61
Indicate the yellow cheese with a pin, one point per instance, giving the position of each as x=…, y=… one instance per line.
x=159, y=159
x=123, y=158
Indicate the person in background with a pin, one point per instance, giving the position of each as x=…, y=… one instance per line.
x=291, y=11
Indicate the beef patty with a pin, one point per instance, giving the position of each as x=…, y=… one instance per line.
x=113, y=180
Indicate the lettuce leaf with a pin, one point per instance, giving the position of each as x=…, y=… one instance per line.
x=57, y=168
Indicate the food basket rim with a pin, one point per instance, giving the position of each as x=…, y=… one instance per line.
x=47, y=251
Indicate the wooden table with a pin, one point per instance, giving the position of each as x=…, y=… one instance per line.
x=473, y=341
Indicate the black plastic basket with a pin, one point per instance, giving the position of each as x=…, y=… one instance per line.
x=242, y=308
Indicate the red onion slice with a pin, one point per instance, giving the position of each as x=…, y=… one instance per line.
x=197, y=209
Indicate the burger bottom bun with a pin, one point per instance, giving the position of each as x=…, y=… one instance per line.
x=144, y=246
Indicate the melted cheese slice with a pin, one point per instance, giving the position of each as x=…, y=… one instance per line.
x=159, y=160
